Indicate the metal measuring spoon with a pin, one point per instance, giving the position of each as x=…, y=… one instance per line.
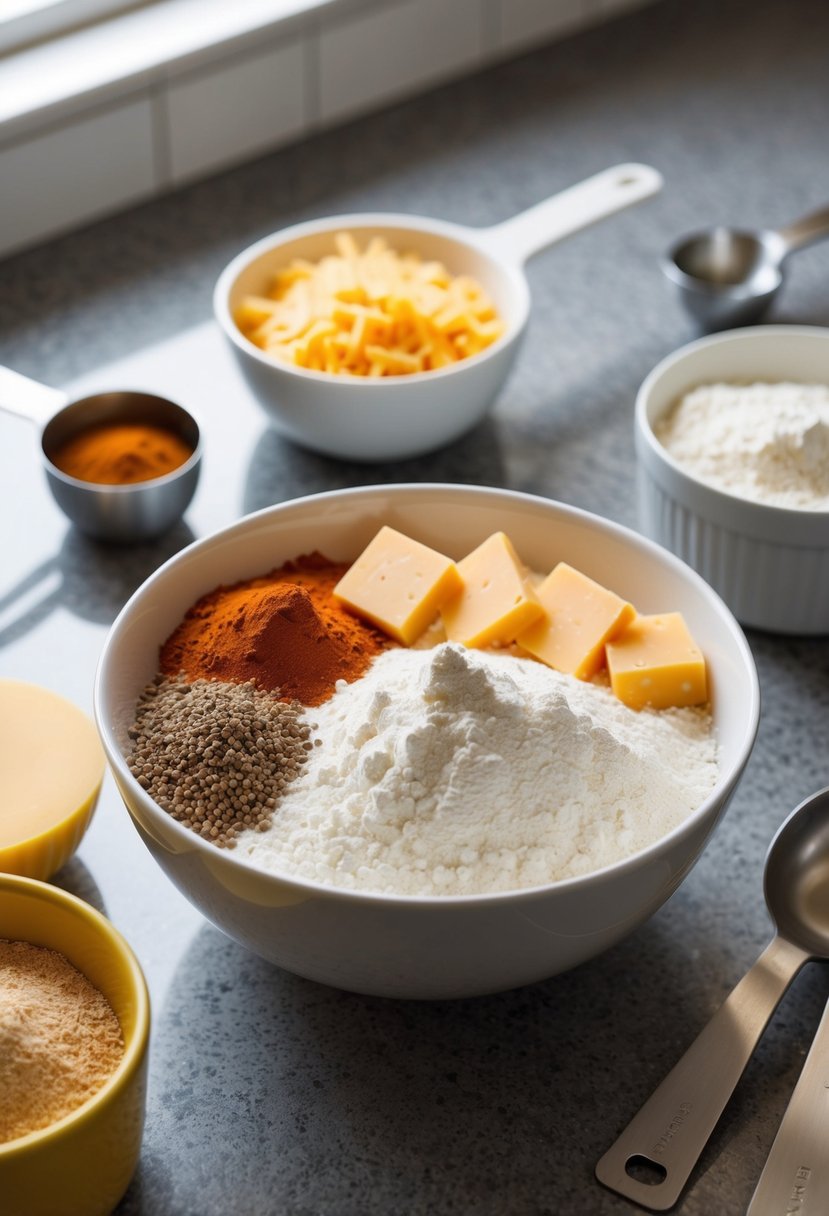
x=127, y=513
x=729, y=276
x=795, y=1177
x=653, y=1158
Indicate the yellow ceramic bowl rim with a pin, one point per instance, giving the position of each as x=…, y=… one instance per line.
x=135, y=1049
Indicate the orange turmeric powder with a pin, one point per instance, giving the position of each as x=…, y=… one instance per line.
x=118, y=454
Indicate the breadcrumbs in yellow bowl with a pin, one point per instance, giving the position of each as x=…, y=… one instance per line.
x=74, y=1024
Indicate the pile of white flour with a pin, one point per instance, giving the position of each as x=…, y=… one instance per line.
x=765, y=442
x=453, y=771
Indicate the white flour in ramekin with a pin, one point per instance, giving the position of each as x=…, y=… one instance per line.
x=453, y=771
x=768, y=443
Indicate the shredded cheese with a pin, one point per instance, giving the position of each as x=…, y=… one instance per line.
x=371, y=313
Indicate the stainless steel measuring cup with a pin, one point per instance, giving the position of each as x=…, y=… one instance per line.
x=729, y=276
x=126, y=513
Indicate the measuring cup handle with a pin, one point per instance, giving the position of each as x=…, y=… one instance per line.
x=796, y=1174
x=669, y=1133
x=28, y=398
x=805, y=231
x=520, y=237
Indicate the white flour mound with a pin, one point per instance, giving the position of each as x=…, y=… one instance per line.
x=765, y=442
x=452, y=771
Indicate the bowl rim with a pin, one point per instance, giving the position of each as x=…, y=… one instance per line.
x=720, y=794
x=787, y=517
x=134, y=1051
x=361, y=220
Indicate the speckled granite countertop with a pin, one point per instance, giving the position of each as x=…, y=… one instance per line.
x=270, y=1093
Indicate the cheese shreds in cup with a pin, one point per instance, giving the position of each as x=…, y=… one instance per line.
x=370, y=313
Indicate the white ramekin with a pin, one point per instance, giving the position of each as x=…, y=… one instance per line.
x=769, y=564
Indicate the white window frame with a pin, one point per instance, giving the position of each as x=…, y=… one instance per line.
x=23, y=22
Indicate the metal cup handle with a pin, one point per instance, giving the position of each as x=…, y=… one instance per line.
x=29, y=398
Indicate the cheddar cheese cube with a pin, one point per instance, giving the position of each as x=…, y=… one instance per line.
x=581, y=617
x=496, y=603
x=398, y=584
x=656, y=662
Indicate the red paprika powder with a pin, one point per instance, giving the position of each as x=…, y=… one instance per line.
x=284, y=629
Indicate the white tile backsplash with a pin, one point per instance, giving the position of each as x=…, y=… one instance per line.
x=394, y=49
x=235, y=112
x=228, y=88
x=76, y=172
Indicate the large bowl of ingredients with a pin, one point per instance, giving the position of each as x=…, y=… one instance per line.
x=426, y=740
x=732, y=438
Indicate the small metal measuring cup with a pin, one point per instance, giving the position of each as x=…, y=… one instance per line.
x=126, y=513
x=728, y=276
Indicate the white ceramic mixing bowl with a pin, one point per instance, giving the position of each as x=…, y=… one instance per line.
x=416, y=946
x=357, y=418
x=770, y=564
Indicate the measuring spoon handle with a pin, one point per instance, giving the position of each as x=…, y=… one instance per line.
x=669, y=1133
x=810, y=228
x=795, y=1177
x=28, y=398
x=577, y=207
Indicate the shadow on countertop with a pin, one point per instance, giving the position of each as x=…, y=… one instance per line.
x=76, y=878
x=280, y=470
x=91, y=579
x=306, y=1099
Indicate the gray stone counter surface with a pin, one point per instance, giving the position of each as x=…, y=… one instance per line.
x=272, y=1094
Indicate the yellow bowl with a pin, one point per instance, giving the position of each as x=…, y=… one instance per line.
x=82, y=1164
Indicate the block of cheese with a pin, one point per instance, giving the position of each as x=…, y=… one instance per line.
x=655, y=661
x=51, y=769
x=581, y=617
x=399, y=584
x=496, y=603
